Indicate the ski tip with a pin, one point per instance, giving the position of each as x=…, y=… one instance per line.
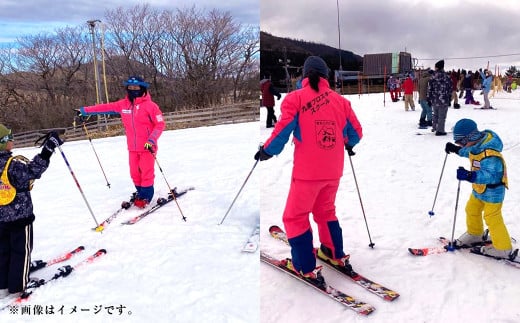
x=80, y=248
x=275, y=228
x=416, y=252
x=103, y=251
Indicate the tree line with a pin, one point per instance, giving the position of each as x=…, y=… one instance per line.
x=192, y=59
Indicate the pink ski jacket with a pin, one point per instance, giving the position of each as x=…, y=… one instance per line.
x=321, y=123
x=142, y=120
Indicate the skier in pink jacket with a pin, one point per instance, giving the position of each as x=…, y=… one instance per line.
x=144, y=124
x=323, y=124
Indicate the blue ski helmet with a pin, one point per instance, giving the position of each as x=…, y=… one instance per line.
x=136, y=80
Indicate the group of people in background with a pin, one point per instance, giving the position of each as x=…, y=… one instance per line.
x=438, y=91
x=324, y=130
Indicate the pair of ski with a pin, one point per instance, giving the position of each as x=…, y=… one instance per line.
x=125, y=205
x=346, y=300
x=62, y=272
x=446, y=246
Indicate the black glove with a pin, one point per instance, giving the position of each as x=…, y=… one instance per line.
x=349, y=150
x=451, y=148
x=429, y=103
x=261, y=154
x=79, y=116
x=51, y=141
x=278, y=97
x=466, y=175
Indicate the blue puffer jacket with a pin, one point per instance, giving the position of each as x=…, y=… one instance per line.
x=486, y=82
x=490, y=170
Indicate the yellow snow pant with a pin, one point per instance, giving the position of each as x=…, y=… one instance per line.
x=492, y=217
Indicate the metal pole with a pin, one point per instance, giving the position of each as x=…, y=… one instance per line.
x=451, y=245
x=431, y=213
x=371, y=244
x=103, y=62
x=77, y=184
x=247, y=178
x=92, y=25
x=167, y=184
x=339, y=38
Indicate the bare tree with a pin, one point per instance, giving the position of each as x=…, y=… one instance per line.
x=192, y=58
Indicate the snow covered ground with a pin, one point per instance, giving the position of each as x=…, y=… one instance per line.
x=398, y=173
x=166, y=270
x=161, y=269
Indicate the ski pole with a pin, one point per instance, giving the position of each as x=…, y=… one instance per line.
x=77, y=184
x=169, y=187
x=371, y=245
x=95, y=153
x=431, y=213
x=247, y=178
x=451, y=245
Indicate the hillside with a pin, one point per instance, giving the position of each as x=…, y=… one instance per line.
x=274, y=50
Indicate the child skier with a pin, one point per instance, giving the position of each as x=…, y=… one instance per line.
x=488, y=176
x=16, y=209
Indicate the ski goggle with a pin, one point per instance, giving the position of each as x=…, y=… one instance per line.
x=6, y=138
x=134, y=81
x=463, y=141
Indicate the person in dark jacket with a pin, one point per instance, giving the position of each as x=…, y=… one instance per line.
x=425, y=119
x=439, y=94
x=16, y=209
x=468, y=84
x=455, y=76
x=268, y=94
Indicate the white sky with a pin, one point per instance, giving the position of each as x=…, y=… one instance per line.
x=431, y=30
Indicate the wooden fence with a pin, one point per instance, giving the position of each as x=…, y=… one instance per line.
x=108, y=127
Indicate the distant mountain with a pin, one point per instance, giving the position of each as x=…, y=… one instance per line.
x=277, y=52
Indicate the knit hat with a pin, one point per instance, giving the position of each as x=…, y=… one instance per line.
x=315, y=63
x=440, y=65
x=5, y=136
x=466, y=130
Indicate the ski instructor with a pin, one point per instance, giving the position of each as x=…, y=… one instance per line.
x=144, y=124
x=323, y=125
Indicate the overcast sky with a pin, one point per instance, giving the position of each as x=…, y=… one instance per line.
x=429, y=30
x=27, y=17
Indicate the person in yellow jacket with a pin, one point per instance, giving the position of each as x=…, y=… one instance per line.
x=488, y=176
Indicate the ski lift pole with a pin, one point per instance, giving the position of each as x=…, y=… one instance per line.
x=79, y=187
x=167, y=184
x=247, y=178
x=95, y=153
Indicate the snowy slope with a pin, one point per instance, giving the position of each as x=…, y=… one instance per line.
x=162, y=269
x=398, y=172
